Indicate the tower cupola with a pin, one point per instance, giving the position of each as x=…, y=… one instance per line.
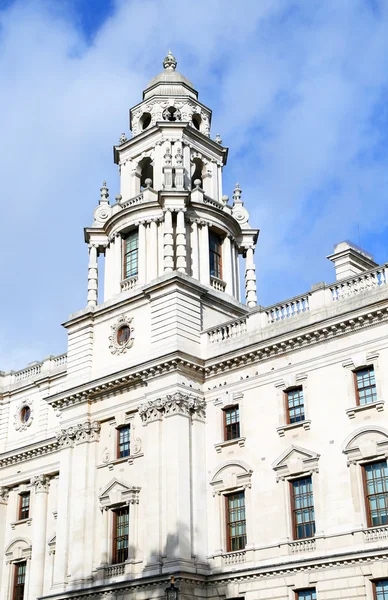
x=171, y=214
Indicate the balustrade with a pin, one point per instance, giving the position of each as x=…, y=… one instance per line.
x=290, y=308
x=129, y=284
x=302, y=546
x=217, y=284
x=234, y=558
x=227, y=331
x=359, y=283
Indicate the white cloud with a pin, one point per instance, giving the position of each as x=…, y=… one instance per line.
x=295, y=90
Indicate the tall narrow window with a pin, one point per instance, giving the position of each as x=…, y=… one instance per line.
x=309, y=594
x=24, y=506
x=295, y=405
x=376, y=493
x=303, y=508
x=215, y=255
x=381, y=589
x=131, y=251
x=120, y=535
x=365, y=386
x=231, y=423
x=123, y=439
x=235, y=522
x=19, y=581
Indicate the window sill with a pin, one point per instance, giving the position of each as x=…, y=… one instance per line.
x=118, y=461
x=351, y=412
x=305, y=424
x=21, y=522
x=236, y=441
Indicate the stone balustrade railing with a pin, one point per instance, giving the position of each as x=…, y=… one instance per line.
x=114, y=570
x=308, y=545
x=290, y=308
x=136, y=200
x=375, y=534
x=129, y=284
x=35, y=370
x=359, y=283
x=228, y=331
x=234, y=558
x=217, y=284
x=322, y=296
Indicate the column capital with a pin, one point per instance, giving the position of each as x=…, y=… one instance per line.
x=172, y=404
x=41, y=484
x=4, y=495
x=82, y=432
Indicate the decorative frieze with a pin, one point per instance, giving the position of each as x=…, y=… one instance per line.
x=178, y=403
x=82, y=432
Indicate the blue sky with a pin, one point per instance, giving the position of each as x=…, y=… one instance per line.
x=298, y=91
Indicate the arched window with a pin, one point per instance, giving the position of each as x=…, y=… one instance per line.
x=145, y=120
x=197, y=171
x=146, y=171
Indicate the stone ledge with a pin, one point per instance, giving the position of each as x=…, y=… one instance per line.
x=236, y=441
x=351, y=412
x=305, y=424
x=21, y=522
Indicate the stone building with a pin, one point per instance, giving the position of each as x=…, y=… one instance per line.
x=241, y=449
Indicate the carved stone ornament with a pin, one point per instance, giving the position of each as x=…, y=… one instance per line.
x=24, y=415
x=41, y=483
x=177, y=403
x=117, y=344
x=82, y=432
x=4, y=495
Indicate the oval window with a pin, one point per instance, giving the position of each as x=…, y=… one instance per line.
x=123, y=335
x=25, y=414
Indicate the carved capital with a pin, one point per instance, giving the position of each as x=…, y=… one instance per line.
x=172, y=404
x=82, y=432
x=4, y=495
x=41, y=483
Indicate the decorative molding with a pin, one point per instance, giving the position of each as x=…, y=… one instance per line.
x=18, y=549
x=235, y=442
x=295, y=461
x=82, y=432
x=378, y=406
x=21, y=522
x=4, y=495
x=118, y=493
x=231, y=475
x=291, y=426
x=28, y=454
x=178, y=403
x=41, y=483
x=365, y=444
x=114, y=346
x=17, y=420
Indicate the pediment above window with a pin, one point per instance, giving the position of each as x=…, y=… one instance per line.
x=366, y=443
x=19, y=549
x=117, y=493
x=231, y=475
x=296, y=461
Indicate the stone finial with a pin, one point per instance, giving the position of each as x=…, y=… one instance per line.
x=104, y=193
x=237, y=194
x=170, y=62
x=148, y=182
x=123, y=138
x=218, y=139
x=197, y=183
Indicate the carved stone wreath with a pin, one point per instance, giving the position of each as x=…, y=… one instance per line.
x=19, y=423
x=120, y=348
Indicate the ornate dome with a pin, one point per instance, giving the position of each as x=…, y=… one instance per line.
x=169, y=82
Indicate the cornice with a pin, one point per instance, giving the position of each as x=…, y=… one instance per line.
x=28, y=452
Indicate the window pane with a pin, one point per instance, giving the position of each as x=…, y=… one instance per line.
x=232, y=423
x=131, y=250
x=381, y=588
x=366, y=386
x=24, y=510
x=303, y=508
x=123, y=442
x=120, y=553
x=295, y=405
x=376, y=485
x=310, y=594
x=215, y=255
x=235, y=521
x=19, y=581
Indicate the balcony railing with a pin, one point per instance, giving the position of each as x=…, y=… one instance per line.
x=129, y=284
x=227, y=331
x=359, y=283
x=290, y=308
x=217, y=284
x=114, y=570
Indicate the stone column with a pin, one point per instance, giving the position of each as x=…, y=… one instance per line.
x=199, y=485
x=194, y=251
x=250, y=279
x=181, y=242
x=142, y=259
x=227, y=275
x=105, y=536
x=238, y=291
x=63, y=521
x=92, y=276
x=153, y=250
x=204, y=265
x=4, y=495
x=41, y=485
x=168, y=243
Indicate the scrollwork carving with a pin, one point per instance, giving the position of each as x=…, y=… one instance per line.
x=171, y=404
x=82, y=432
x=41, y=483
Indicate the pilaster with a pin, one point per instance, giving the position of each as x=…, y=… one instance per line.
x=40, y=485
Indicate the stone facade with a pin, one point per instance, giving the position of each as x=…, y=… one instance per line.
x=133, y=420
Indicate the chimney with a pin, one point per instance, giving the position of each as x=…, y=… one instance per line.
x=350, y=260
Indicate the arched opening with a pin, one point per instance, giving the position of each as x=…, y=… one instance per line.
x=145, y=121
x=171, y=114
x=146, y=171
x=197, y=121
x=197, y=172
